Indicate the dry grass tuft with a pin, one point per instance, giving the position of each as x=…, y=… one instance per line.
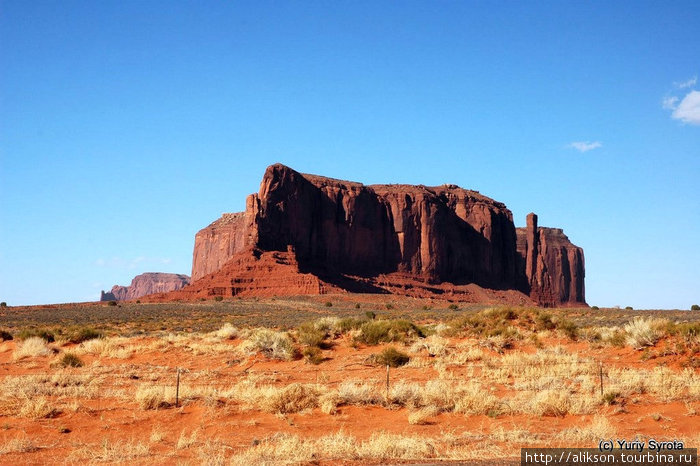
x=434, y=345
x=212, y=453
x=465, y=353
x=330, y=325
x=111, y=452
x=226, y=332
x=385, y=446
x=185, y=441
x=555, y=403
x=359, y=392
x=643, y=332
x=21, y=444
x=152, y=397
x=279, y=400
x=292, y=399
x=106, y=347
x=279, y=449
x=329, y=402
x=31, y=347
x=598, y=428
x=662, y=382
x=497, y=343
x=444, y=396
x=285, y=449
x=38, y=408
x=273, y=344
x=408, y=394
x=157, y=435
x=421, y=416
x=60, y=384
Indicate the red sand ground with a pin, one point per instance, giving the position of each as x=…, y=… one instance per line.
x=111, y=420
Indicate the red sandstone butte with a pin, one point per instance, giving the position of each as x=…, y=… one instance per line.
x=554, y=267
x=145, y=284
x=308, y=234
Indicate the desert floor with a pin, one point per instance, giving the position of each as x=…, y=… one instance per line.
x=307, y=380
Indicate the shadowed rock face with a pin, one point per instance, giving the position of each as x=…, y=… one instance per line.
x=339, y=228
x=145, y=284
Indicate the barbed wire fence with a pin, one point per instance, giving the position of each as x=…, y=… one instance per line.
x=182, y=381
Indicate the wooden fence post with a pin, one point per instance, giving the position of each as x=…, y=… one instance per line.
x=177, y=389
x=601, y=378
x=387, y=382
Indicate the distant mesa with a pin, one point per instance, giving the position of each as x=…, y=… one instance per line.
x=145, y=284
x=308, y=234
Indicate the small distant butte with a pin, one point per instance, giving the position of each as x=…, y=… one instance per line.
x=146, y=284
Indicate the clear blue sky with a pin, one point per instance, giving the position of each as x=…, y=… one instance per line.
x=126, y=126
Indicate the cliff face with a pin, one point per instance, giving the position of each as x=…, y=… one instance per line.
x=554, y=267
x=145, y=284
x=217, y=243
x=337, y=228
x=439, y=233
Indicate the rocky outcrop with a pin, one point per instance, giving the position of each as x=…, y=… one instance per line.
x=372, y=238
x=554, y=267
x=145, y=284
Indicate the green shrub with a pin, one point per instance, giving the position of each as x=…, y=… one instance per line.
x=610, y=398
x=71, y=360
x=501, y=314
x=329, y=304
x=372, y=333
x=309, y=335
x=348, y=323
x=218, y=298
x=453, y=307
x=591, y=335
x=488, y=323
x=537, y=343
x=312, y=355
x=544, y=321
x=385, y=331
x=595, y=308
x=357, y=305
x=389, y=306
x=629, y=308
x=695, y=307
x=569, y=328
x=47, y=335
x=111, y=303
x=5, y=335
x=370, y=315
x=392, y=357
x=688, y=331
x=3, y=304
x=618, y=339
x=84, y=334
